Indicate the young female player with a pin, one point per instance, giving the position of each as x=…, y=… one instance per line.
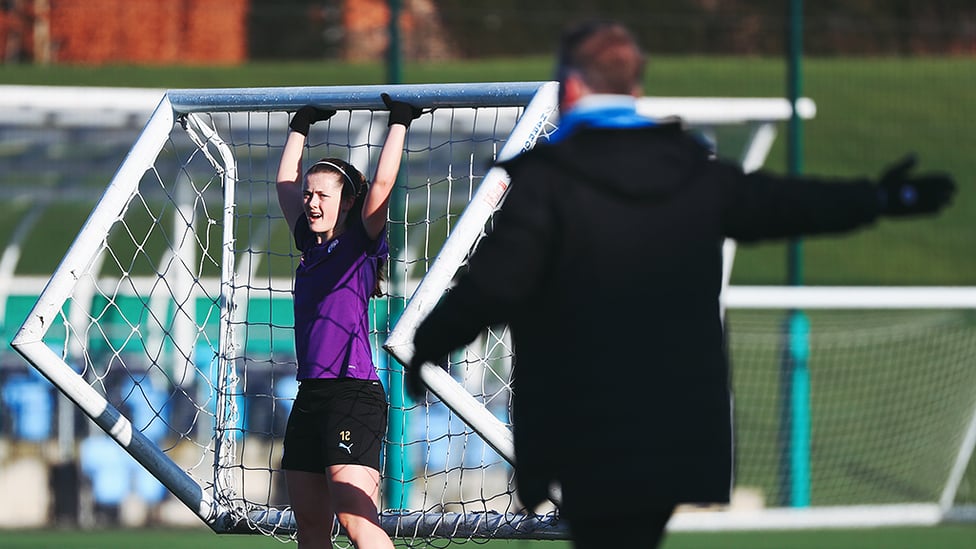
x=337, y=424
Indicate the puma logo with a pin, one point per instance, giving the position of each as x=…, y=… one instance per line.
x=346, y=447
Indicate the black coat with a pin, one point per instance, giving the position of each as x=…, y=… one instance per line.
x=605, y=260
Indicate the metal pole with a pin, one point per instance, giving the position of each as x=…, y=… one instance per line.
x=397, y=473
x=795, y=381
x=394, y=65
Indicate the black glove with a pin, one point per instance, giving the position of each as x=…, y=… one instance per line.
x=902, y=194
x=400, y=112
x=414, y=386
x=308, y=115
x=424, y=341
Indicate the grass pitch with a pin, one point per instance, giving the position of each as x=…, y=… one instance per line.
x=942, y=537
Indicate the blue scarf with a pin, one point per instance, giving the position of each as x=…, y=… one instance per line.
x=603, y=112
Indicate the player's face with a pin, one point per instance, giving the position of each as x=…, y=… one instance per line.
x=324, y=206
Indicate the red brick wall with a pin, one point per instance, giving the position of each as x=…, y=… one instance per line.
x=366, y=24
x=149, y=31
x=96, y=32
x=15, y=28
x=215, y=31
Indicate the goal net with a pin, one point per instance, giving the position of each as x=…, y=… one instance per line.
x=169, y=322
x=854, y=407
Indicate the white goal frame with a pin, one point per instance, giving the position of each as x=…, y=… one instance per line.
x=210, y=501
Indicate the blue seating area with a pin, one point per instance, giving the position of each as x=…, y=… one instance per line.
x=28, y=406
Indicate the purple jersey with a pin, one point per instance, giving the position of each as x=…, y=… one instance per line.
x=333, y=284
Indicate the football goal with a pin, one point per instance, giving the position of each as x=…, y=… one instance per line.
x=169, y=323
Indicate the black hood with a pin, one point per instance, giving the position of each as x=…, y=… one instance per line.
x=665, y=156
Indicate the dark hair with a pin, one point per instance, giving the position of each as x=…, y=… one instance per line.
x=354, y=185
x=604, y=54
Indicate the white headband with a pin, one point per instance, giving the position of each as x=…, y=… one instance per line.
x=355, y=188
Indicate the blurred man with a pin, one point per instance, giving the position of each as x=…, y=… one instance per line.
x=605, y=260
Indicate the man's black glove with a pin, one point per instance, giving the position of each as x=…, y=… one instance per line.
x=400, y=112
x=425, y=340
x=308, y=115
x=903, y=194
x=414, y=386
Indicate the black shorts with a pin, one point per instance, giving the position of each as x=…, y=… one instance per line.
x=335, y=422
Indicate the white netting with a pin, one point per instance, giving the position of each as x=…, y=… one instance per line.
x=891, y=399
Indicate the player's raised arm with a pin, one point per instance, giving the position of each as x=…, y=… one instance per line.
x=289, y=180
x=376, y=205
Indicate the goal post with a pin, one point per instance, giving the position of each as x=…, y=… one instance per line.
x=169, y=320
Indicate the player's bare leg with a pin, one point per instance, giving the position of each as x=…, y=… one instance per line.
x=355, y=493
x=311, y=503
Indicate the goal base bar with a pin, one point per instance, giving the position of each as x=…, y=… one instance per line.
x=419, y=524
x=812, y=518
x=488, y=525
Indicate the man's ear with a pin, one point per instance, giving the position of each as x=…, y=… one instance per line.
x=573, y=90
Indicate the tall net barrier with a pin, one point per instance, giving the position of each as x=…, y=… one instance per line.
x=169, y=322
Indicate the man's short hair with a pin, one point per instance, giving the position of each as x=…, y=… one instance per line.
x=604, y=54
